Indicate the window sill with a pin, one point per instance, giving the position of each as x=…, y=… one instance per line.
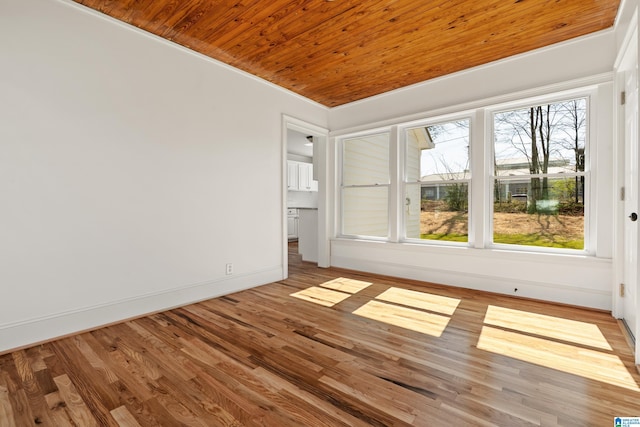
x=578, y=257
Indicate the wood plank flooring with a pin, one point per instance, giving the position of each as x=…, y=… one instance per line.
x=329, y=347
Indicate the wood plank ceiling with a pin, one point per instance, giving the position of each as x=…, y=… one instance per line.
x=336, y=52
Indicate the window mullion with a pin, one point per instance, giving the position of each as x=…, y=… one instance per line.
x=480, y=188
x=396, y=166
x=539, y=175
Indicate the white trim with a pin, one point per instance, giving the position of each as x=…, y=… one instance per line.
x=618, y=178
x=618, y=205
x=539, y=175
x=590, y=93
x=458, y=267
x=630, y=44
x=324, y=201
x=586, y=91
x=27, y=332
x=559, y=293
x=139, y=31
x=485, y=235
x=621, y=7
x=395, y=213
x=484, y=103
x=338, y=188
x=403, y=184
x=628, y=37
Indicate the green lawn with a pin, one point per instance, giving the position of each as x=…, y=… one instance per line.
x=538, y=240
x=446, y=237
x=514, y=239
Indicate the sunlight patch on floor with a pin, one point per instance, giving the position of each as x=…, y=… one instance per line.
x=417, y=311
x=321, y=296
x=342, y=284
x=331, y=292
x=583, y=333
x=420, y=300
x=404, y=317
x=572, y=359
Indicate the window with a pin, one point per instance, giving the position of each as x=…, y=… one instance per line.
x=513, y=176
x=365, y=186
x=539, y=175
x=437, y=178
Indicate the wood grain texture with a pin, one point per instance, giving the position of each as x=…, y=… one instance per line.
x=271, y=356
x=336, y=52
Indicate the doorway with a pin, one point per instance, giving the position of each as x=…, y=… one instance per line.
x=305, y=151
x=628, y=292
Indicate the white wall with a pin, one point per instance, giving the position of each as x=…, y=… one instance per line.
x=573, y=279
x=577, y=58
x=625, y=14
x=131, y=171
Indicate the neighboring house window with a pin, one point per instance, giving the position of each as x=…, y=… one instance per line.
x=539, y=175
x=365, y=186
x=437, y=177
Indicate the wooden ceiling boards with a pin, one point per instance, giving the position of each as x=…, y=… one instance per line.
x=336, y=52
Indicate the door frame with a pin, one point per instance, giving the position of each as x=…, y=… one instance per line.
x=621, y=65
x=320, y=164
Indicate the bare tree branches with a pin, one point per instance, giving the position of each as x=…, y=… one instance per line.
x=541, y=136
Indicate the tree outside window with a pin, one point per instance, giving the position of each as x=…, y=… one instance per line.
x=437, y=182
x=539, y=175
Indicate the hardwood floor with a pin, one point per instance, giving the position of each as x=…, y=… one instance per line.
x=328, y=347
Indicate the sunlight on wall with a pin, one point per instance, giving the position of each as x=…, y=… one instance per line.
x=574, y=355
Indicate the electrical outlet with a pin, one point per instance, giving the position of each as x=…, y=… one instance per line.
x=229, y=268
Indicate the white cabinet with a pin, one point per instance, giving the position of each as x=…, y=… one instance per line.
x=292, y=228
x=305, y=177
x=300, y=177
x=292, y=223
x=292, y=176
x=308, y=235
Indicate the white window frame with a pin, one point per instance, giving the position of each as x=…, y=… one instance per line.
x=481, y=183
x=589, y=203
x=339, y=202
x=404, y=184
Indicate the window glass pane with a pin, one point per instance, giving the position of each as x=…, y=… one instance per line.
x=438, y=152
x=542, y=139
x=365, y=211
x=557, y=220
x=436, y=206
x=442, y=214
x=366, y=160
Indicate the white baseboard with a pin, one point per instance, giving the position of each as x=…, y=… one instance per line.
x=526, y=287
x=37, y=330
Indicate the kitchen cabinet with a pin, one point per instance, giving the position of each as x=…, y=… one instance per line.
x=292, y=176
x=305, y=178
x=292, y=224
x=308, y=235
x=300, y=177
